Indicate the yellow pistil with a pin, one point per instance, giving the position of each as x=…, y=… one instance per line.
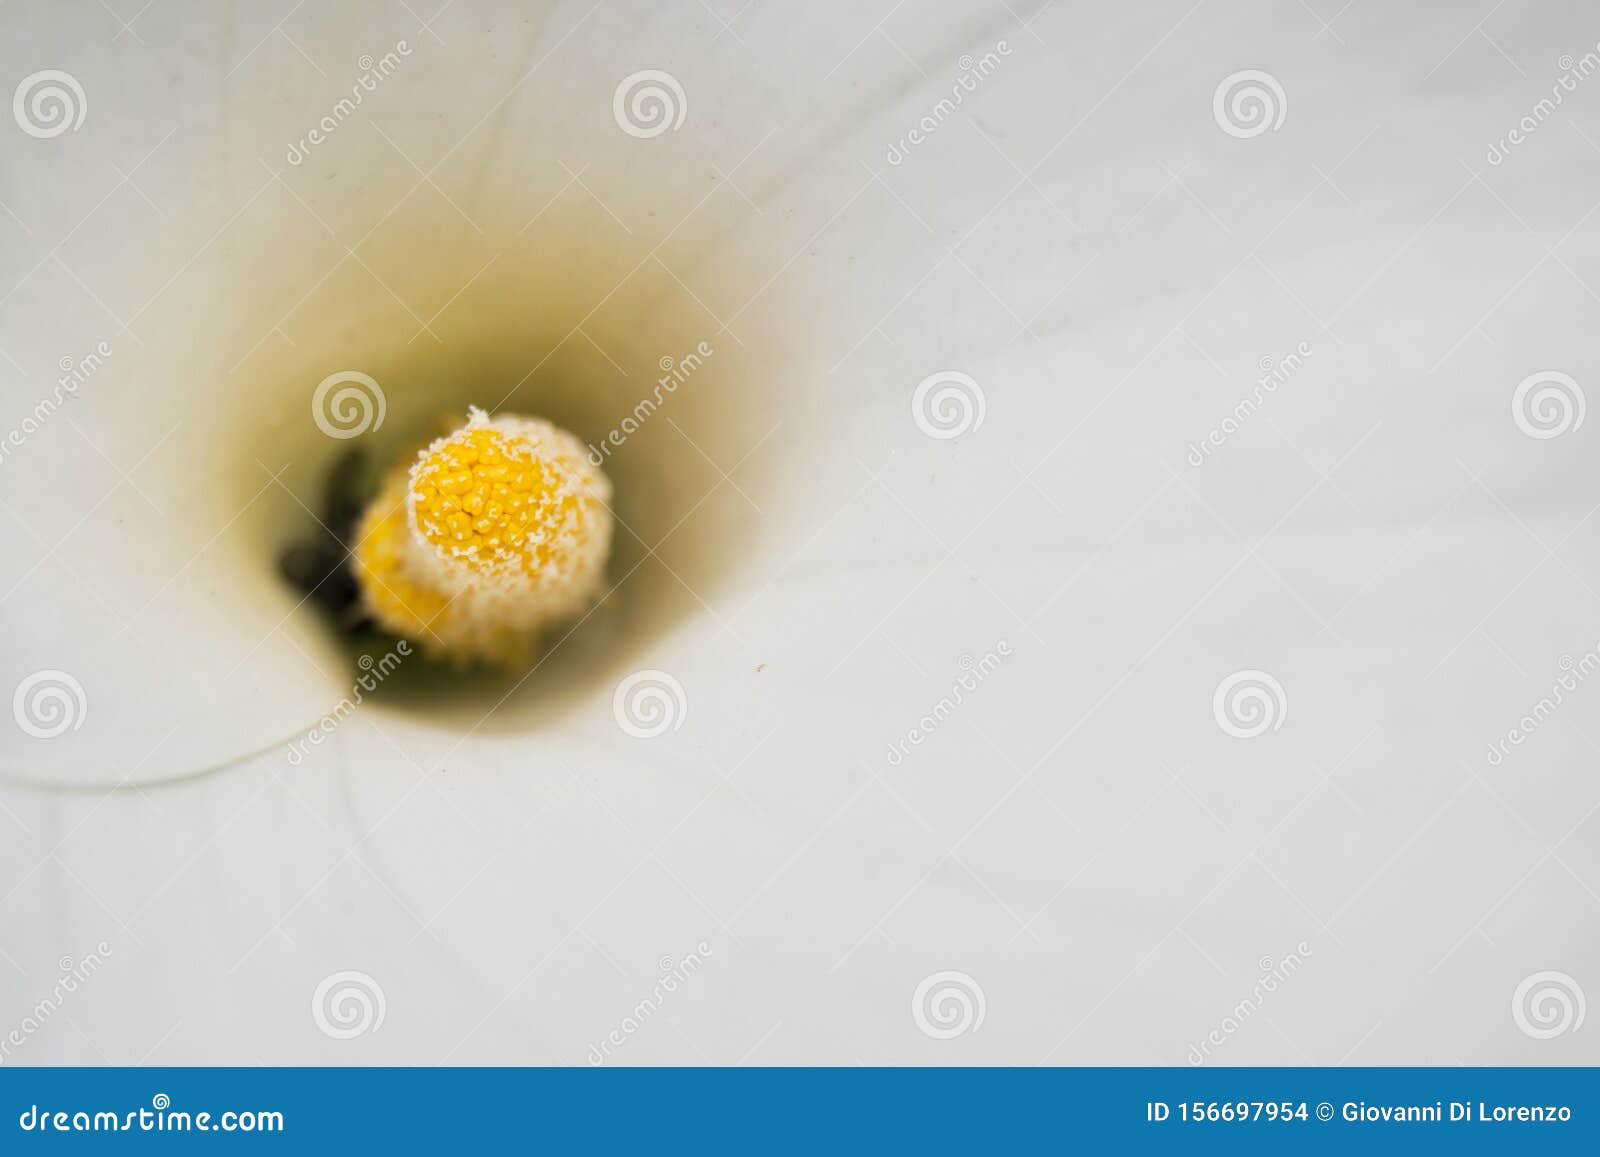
x=489, y=501
x=393, y=596
x=498, y=530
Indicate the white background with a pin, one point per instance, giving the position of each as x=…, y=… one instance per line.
x=1105, y=863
